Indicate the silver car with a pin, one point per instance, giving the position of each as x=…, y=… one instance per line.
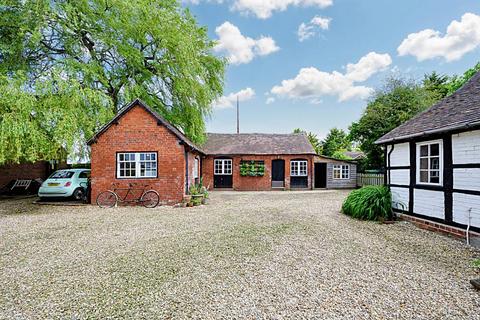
x=65, y=184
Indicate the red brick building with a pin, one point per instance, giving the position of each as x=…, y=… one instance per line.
x=258, y=161
x=139, y=146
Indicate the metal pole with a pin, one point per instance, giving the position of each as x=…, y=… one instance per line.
x=238, y=117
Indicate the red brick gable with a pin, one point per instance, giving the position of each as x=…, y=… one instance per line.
x=136, y=131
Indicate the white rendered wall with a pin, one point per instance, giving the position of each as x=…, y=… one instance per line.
x=466, y=147
x=466, y=178
x=400, y=177
x=400, y=198
x=462, y=204
x=400, y=155
x=429, y=203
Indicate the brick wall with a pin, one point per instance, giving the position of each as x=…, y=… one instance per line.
x=138, y=131
x=255, y=183
x=438, y=227
x=34, y=170
x=191, y=165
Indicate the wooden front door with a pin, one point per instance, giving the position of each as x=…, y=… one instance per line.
x=320, y=175
x=278, y=173
x=222, y=173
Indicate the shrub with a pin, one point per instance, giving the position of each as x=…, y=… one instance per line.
x=476, y=263
x=369, y=203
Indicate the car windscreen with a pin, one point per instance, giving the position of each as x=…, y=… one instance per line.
x=62, y=175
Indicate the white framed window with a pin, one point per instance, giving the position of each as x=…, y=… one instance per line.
x=196, y=165
x=223, y=167
x=136, y=165
x=429, y=162
x=341, y=171
x=298, y=168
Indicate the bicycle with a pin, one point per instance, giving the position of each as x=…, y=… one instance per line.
x=110, y=198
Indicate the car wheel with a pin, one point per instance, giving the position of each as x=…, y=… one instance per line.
x=78, y=194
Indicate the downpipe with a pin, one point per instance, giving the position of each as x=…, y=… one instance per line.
x=468, y=225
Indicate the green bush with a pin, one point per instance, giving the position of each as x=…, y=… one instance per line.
x=476, y=263
x=369, y=203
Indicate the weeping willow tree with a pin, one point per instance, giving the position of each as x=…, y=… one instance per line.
x=67, y=66
x=48, y=120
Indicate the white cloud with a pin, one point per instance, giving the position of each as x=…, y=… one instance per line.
x=229, y=101
x=241, y=49
x=312, y=83
x=263, y=9
x=461, y=37
x=322, y=22
x=308, y=30
x=367, y=66
x=270, y=100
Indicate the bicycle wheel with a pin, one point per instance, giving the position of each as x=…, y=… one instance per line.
x=107, y=199
x=150, y=199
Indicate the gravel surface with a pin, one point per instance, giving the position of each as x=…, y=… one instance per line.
x=275, y=255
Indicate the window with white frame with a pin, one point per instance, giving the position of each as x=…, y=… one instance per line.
x=196, y=165
x=298, y=168
x=137, y=165
x=429, y=162
x=341, y=171
x=223, y=166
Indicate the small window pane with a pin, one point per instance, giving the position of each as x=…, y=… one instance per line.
x=434, y=163
x=423, y=176
x=424, y=151
x=434, y=149
x=424, y=163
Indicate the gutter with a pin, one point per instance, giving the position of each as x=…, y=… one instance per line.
x=429, y=132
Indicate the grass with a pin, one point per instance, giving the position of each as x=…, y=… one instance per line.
x=369, y=203
x=476, y=263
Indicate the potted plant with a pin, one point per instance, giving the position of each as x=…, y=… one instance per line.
x=260, y=170
x=244, y=169
x=198, y=194
x=204, y=191
x=252, y=170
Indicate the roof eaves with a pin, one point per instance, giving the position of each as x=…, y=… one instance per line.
x=429, y=132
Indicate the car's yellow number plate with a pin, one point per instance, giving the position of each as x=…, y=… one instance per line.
x=53, y=184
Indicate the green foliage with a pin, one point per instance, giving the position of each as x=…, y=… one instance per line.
x=252, y=168
x=313, y=138
x=336, y=140
x=436, y=84
x=340, y=154
x=113, y=51
x=476, y=263
x=456, y=82
x=398, y=101
x=50, y=124
x=369, y=203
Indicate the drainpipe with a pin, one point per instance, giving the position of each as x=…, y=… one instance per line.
x=187, y=180
x=468, y=225
x=389, y=164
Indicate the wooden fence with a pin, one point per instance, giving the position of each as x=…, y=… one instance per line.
x=369, y=179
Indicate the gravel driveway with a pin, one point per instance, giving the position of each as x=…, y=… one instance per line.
x=276, y=255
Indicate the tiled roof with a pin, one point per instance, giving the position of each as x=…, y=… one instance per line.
x=459, y=110
x=354, y=154
x=257, y=143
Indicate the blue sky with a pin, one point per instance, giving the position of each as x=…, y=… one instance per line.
x=263, y=43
